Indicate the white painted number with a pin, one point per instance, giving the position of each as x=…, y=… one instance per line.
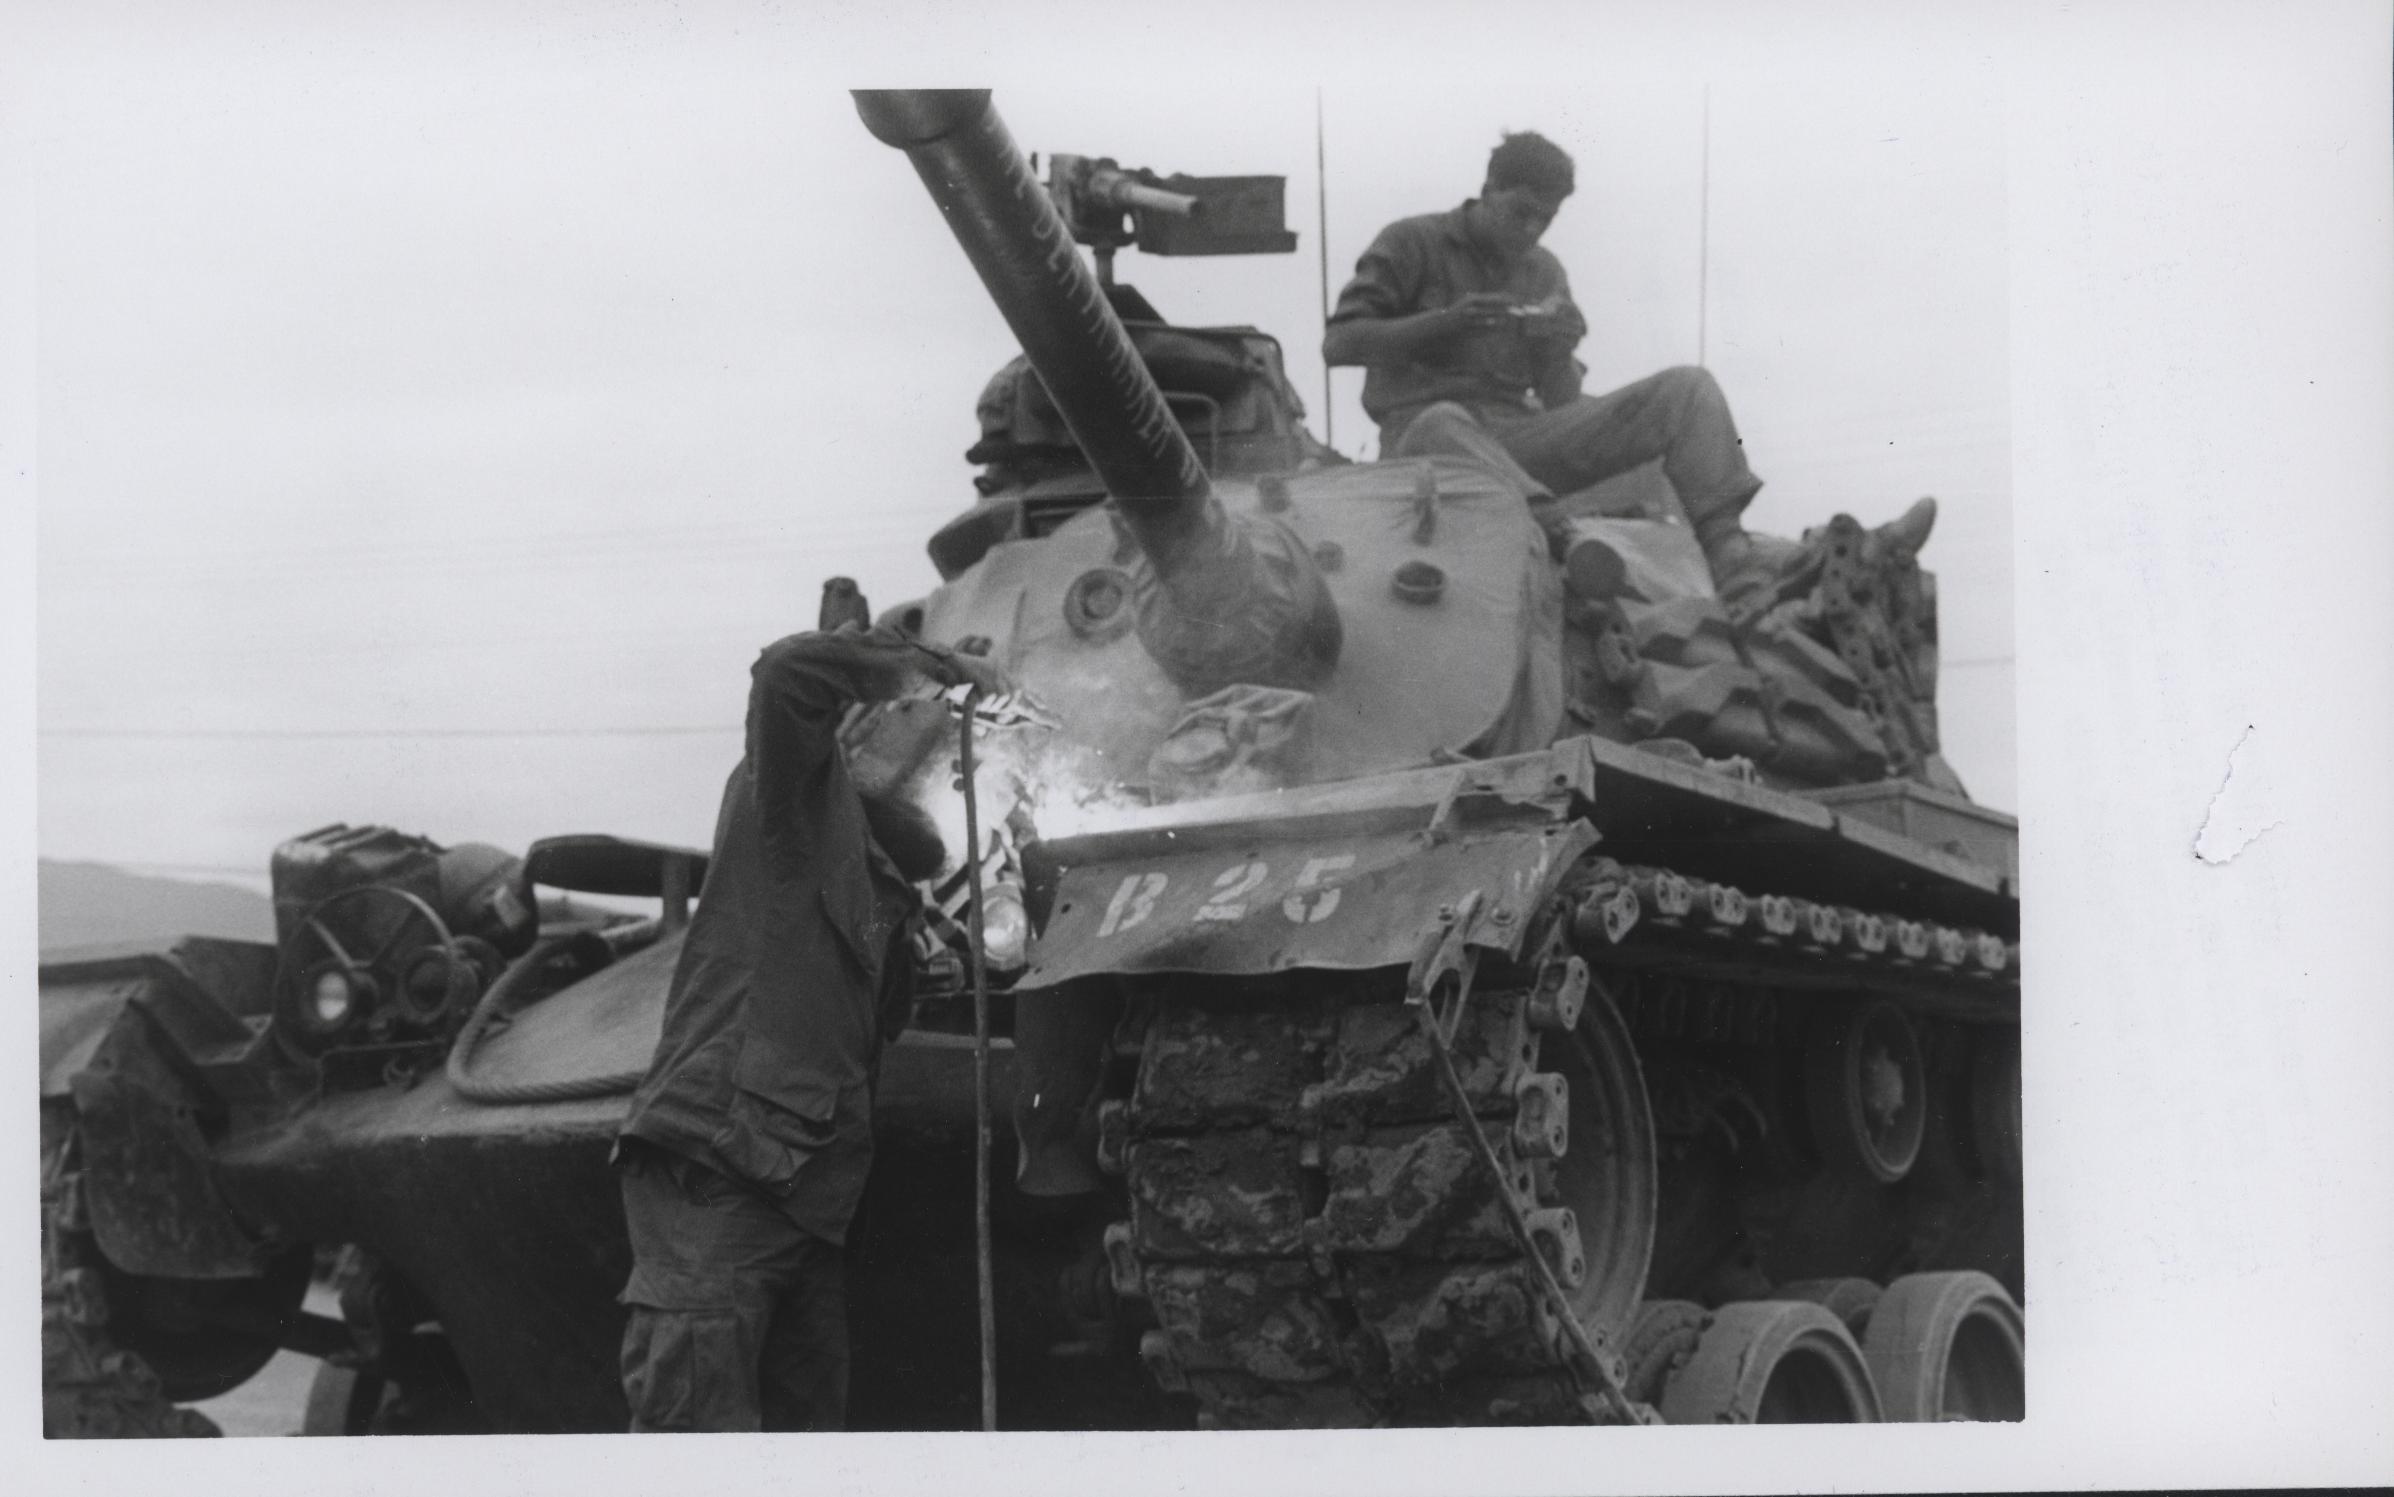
x=1132, y=903
x=1230, y=892
x=1134, y=898
x=1304, y=911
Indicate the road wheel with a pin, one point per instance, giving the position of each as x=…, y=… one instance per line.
x=1866, y=1088
x=1658, y=1345
x=1773, y=1362
x=1850, y=1300
x=1948, y=1346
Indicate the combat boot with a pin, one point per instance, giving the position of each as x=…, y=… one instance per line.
x=1740, y=570
x=1747, y=568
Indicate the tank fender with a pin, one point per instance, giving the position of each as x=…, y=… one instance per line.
x=79, y=1005
x=152, y=1193
x=1351, y=900
x=211, y=996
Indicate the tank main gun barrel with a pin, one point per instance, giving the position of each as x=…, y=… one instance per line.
x=1025, y=256
x=1235, y=598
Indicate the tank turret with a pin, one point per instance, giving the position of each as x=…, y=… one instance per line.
x=1222, y=598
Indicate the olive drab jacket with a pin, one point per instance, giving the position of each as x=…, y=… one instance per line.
x=1429, y=261
x=794, y=971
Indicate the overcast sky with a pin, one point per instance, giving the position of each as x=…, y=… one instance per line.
x=428, y=376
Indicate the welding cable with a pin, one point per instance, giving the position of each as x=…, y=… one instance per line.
x=981, y=1248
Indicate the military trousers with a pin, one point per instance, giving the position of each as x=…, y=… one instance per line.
x=1678, y=416
x=738, y=1317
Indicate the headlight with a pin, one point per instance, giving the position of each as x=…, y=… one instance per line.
x=334, y=998
x=1005, y=927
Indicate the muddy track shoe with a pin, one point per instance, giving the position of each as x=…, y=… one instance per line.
x=91, y=1387
x=1321, y=1244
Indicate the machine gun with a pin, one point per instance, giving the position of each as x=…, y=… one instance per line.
x=1107, y=207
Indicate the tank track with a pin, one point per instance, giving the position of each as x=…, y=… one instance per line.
x=1309, y=1226
x=91, y=1387
x=1317, y=1240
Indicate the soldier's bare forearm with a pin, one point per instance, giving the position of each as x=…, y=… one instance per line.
x=1381, y=340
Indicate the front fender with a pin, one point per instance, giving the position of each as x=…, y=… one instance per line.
x=153, y=1056
x=1344, y=878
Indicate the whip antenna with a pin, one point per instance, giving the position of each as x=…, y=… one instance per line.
x=1704, y=228
x=1321, y=246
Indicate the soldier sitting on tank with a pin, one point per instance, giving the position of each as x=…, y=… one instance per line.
x=747, y=1145
x=1465, y=327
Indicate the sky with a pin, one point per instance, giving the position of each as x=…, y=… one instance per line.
x=407, y=369
x=436, y=415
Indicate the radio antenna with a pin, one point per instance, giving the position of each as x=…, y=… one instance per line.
x=1321, y=246
x=1704, y=229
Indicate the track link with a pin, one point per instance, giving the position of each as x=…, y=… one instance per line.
x=1310, y=1225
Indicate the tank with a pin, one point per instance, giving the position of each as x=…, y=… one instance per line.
x=1435, y=980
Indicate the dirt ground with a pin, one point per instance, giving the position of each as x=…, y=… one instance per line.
x=272, y=1402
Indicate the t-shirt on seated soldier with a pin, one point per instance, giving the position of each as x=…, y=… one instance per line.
x=1465, y=327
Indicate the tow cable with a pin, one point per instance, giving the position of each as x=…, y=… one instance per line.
x=1446, y=962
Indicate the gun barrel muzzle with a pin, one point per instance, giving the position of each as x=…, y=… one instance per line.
x=1120, y=189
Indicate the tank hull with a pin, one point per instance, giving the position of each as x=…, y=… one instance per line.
x=1711, y=1171
x=508, y=1222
